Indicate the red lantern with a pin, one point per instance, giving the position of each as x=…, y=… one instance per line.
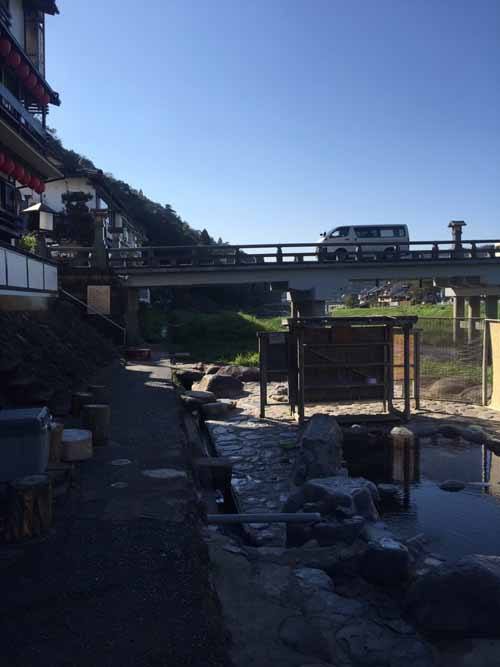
x=18, y=173
x=26, y=180
x=45, y=99
x=42, y=187
x=38, y=91
x=9, y=166
x=23, y=71
x=14, y=59
x=35, y=183
x=5, y=47
x=31, y=81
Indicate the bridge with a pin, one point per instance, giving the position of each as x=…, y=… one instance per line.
x=470, y=269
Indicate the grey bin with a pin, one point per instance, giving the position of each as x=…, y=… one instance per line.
x=24, y=442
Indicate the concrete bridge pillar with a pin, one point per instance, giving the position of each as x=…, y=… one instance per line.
x=458, y=318
x=132, y=316
x=491, y=307
x=303, y=304
x=473, y=315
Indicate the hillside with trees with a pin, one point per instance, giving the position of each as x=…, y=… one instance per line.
x=162, y=225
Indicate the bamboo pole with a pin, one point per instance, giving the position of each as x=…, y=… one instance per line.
x=486, y=344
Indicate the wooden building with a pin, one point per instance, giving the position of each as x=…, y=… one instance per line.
x=25, y=98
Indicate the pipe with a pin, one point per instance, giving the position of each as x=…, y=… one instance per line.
x=271, y=517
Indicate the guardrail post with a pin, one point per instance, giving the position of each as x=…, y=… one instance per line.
x=435, y=251
x=279, y=255
x=237, y=256
x=397, y=254
x=473, y=250
x=359, y=253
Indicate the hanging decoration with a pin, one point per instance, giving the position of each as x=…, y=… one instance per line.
x=26, y=73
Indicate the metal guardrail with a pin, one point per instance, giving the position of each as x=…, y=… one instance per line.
x=96, y=312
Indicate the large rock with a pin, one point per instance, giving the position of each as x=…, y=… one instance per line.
x=200, y=396
x=336, y=497
x=320, y=449
x=446, y=387
x=386, y=562
x=222, y=386
x=242, y=373
x=327, y=533
x=217, y=410
x=186, y=377
x=458, y=600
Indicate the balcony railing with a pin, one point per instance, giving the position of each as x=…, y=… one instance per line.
x=20, y=118
x=23, y=272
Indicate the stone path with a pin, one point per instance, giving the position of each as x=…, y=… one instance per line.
x=123, y=578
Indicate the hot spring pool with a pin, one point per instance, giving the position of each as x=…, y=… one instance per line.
x=454, y=523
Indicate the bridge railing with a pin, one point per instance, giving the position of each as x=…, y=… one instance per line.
x=309, y=253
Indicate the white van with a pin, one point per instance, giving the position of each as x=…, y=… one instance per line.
x=383, y=240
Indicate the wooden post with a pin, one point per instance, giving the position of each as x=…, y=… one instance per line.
x=301, y=388
x=99, y=392
x=29, y=507
x=78, y=400
x=263, y=342
x=96, y=418
x=486, y=347
x=56, y=433
x=417, y=340
x=407, y=375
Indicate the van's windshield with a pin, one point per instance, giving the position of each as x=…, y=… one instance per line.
x=339, y=232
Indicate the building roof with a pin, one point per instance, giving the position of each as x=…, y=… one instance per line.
x=39, y=207
x=45, y=6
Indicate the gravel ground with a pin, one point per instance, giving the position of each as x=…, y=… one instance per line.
x=123, y=577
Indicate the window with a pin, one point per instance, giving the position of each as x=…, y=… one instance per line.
x=339, y=232
x=8, y=197
x=367, y=232
x=34, y=37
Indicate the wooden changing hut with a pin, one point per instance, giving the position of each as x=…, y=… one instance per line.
x=344, y=359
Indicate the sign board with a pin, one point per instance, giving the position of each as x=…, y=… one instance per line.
x=98, y=299
x=276, y=339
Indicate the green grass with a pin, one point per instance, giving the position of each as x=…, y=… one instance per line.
x=226, y=336
x=427, y=310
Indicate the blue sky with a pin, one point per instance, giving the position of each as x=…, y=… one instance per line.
x=267, y=120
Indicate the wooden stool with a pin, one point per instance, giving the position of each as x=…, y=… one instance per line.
x=29, y=507
x=76, y=444
x=96, y=418
x=78, y=400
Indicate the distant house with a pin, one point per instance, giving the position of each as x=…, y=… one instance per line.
x=85, y=196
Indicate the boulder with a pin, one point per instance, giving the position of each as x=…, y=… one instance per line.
x=446, y=387
x=458, y=600
x=217, y=410
x=320, y=449
x=336, y=497
x=221, y=386
x=327, y=533
x=200, y=396
x=186, y=377
x=386, y=562
x=211, y=369
x=388, y=493
x=242, y=373
x=452, y=485
x=473, y=395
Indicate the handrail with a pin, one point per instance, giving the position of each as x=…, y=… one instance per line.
x=96, y=312
x=26, y=253
x=214, y=247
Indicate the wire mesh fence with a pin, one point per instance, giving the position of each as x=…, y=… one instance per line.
x=451, y=358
